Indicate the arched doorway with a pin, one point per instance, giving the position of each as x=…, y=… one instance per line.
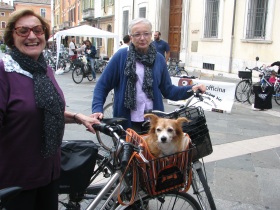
x=175, y=22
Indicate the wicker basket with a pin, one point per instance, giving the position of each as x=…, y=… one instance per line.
x=160, y=175
x=245, y=74
x=197, y=130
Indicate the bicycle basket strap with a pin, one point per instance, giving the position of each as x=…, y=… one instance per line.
x=77, y=164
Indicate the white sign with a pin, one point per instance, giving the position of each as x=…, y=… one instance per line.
x=219, y=96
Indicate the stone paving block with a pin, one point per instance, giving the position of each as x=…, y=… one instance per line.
x=231, y=205
x=236, y=185
x=266, y=159
x=269, y=181
x=243, y=163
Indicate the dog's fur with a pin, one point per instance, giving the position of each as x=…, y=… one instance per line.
x=165, y=136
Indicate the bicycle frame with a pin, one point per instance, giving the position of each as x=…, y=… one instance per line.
x=118, y=146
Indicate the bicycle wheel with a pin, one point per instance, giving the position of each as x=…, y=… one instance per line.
x=202, y=190
x=277, y=95
x=89, y=76
x=242, y=89
x=68, y=68
x=181, y=73
x=167, y=201
x=103, y=139
x=77, y=75
x=172, y=71
x=62, y=65
x=251, y=96
x=80, y=201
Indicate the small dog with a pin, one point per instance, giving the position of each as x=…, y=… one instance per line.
x=166, y=136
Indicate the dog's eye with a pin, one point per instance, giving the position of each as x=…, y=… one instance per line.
x=170, y=130
x=158, y=130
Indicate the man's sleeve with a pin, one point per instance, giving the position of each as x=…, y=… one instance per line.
x=167, y=47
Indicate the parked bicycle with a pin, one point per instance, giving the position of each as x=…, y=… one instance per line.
x=100, y=64
x=123, y=174
x=264, y=74
x=81, y=70
x=243, y=87
x=175, y=69
x=199, y=134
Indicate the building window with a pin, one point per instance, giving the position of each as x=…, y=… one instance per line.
x=125, y=23
x=72, y=15
x=142, y=12
x=256, y=19
x=43, y=12
x=3, y=24
x=2, y=14
x=211, y=18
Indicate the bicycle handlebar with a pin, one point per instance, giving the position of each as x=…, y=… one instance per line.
x=111, y=128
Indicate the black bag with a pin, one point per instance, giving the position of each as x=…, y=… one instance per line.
x=77, y=164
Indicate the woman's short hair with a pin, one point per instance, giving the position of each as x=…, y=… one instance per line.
x=139, y=20
x=8, y=34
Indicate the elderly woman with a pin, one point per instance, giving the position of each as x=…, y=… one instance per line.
x=139, y=78
x=32, y=115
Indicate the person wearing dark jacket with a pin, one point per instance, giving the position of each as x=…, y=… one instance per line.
x=32, y=115
x=139, y=78
x=90, y=52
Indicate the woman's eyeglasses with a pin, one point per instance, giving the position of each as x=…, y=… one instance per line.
x=25, y=31
x=145, y=35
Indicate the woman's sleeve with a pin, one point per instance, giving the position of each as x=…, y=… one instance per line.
x=3, y=93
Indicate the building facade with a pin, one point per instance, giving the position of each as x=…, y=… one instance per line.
x=218, y=35
x=227, y=36
x=41, y=7
x=5, y=11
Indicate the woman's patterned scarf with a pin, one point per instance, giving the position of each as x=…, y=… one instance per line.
x=130, y=71
x=47, y=98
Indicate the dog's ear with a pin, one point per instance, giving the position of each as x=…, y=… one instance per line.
x=180, y=120
x=153, y=118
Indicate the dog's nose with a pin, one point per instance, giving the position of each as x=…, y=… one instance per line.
x=163, y=139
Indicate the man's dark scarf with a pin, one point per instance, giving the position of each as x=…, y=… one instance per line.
x=47, y=98
x=130, y=71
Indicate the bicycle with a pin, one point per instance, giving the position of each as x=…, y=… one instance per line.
x=99, y=65
x=121, y=189
x=199, y=135
x=176, y=70
x=81, y=70
x=243, y=87
x=7, y=195
x=264, y=83
x=198, y=132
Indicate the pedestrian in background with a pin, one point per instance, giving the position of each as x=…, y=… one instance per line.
x=72, y=49
x=139, y=78
x=126, y=41
x=90, y=52
x=161, y=46
x=32, y=116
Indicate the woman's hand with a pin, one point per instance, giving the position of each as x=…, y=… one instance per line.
x=87, y=121
x=79, y=118
x=200, y=87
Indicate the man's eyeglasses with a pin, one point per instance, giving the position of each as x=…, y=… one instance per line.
x=145, y=35
x=25, y=31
